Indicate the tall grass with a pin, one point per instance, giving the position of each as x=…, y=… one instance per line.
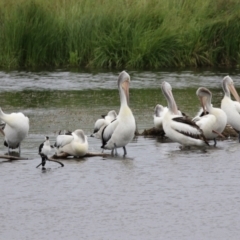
x=119, y=33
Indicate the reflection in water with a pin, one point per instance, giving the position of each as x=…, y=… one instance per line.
x=156, y=192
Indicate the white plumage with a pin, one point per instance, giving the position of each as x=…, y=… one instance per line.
x=231, y=108
x=177, y=127
x=15, y=130
x=159, y=112
x=74, y=144
x=102, y=122
x=120, y=131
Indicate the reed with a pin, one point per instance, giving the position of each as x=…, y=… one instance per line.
x=119, y=33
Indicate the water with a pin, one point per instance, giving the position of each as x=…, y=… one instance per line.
x=157, y=192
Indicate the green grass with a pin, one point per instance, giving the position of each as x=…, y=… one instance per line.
x=119, y=33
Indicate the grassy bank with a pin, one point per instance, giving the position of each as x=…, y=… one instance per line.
x=119, y=33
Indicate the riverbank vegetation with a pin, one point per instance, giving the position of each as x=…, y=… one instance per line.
x=119, y=33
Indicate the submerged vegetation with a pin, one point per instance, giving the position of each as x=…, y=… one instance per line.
x=119, y=33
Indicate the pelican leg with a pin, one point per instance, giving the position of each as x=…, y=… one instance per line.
x=115, y=147
x=215, y=142
x=112, y=152
x=19, y=149
x=239, y=136
x=8, y=150
x=125, y=151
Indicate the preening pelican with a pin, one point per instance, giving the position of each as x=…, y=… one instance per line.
x=102, y=122
x=178, y=128
x=74, y=144
x=120, y=131
x=231, y=108
x=159, y=112
x=15, y=129
x=214, y=120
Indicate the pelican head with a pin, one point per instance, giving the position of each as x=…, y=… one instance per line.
x=46, y=138
x=228, y=86
x=205, y=97
x=80, y=134
x=123, y=84
x=167, y=92
x=112, y=114
x=158, y=110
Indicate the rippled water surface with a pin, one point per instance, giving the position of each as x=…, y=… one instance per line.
x=156, y=192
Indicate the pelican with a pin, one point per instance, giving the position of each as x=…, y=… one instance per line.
x=231, y=108
x=120, y=131
x=102, y=122
x=74, y=144
x=15, y=129
x=215, y=119
x=159, y=112
x=177, y=127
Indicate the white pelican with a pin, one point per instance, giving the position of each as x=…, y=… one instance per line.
x=159, y=112
x=74, y=144
x=15, y=129
x=120, y=131
x=215, y=119
x=231, y=108
x=178, y=128
x=102, y=122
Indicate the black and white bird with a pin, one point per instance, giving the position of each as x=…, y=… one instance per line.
x=44, y=150
x=120, y=131
x=15, y=128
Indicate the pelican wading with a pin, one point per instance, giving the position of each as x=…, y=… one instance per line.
x=214, y=120
x=120, y=131
x=15, y=129
x=178, y=128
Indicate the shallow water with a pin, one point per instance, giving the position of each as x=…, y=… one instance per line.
x=156, y=192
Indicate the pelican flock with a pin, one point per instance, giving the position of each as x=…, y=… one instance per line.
x=118, y=130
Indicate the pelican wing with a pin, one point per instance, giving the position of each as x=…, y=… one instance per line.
x=188, y=127
x=63, y=140
x=199, y=115
x=237, y=106
x=208, y=119
x=108, y=131
x=98, y=124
